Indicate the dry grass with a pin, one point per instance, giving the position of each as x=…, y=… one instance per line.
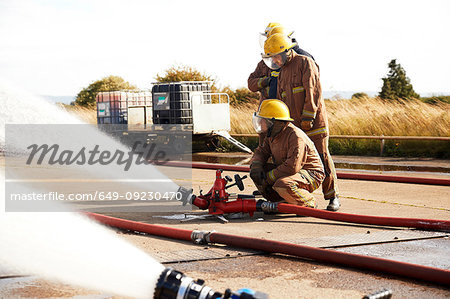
x=370, y=116
x=88, y=115
x=241, y=118
x=366, y=116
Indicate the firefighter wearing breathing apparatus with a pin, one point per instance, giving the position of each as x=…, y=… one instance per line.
x=299, y=87
x=264, y=79
x=296, y=170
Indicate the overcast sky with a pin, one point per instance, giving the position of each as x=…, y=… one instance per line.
x=58, y=47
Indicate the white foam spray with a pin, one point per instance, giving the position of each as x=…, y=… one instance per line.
x=19, y=107
x=69, y=248
x=66, y=247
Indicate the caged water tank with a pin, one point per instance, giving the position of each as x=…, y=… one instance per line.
x=172, y=101
x=113, y=106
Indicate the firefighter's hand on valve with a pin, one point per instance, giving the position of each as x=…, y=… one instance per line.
x=257, y=173
x=268, y=181
x=266, y=186
x=306, y=125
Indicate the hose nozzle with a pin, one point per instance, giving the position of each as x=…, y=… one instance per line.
x=187, y=196
x=174, y=284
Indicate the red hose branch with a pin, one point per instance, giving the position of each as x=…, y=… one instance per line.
x=392, y=178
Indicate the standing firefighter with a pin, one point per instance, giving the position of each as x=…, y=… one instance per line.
x=296, y=170
x=264, y=79
x=299, y=87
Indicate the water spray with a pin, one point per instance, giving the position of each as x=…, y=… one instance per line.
x=36, y=134
x=69, y=247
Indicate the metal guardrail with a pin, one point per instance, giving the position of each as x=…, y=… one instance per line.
x=381, y=138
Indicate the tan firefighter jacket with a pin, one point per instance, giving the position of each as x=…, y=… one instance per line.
x=291, y=151
x=299, y=87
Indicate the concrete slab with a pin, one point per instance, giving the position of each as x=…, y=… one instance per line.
x=286, y=277
x=33, y=287
x=432, y=253
x=184, y=252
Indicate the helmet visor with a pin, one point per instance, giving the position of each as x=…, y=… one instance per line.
x=262, y=39
x=260, y=124
x=276, y=61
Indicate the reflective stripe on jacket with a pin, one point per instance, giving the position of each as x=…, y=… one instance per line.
x=299, y=87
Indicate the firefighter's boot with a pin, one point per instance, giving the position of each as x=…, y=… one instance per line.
x=334, y=204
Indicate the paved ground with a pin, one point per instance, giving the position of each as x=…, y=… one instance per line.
x=289, y=277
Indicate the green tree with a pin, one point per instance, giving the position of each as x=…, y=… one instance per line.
x=184, y=73
x=397, y=85
x=187, y=73
x=359, y=95
x=241, y=96
x=86, y=97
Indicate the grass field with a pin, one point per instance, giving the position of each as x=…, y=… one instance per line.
x=370, y=116
x=364, y=116
x=376, y=117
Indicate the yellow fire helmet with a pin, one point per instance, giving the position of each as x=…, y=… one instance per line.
x=271, y=29
x=274, y=109
x=269, y=111
x=277, y=43
x=275, y=50
x=278, y=29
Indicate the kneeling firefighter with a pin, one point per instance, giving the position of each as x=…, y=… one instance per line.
x=296, y=170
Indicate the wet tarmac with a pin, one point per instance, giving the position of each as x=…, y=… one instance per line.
x=431, y=252
x=287, y=277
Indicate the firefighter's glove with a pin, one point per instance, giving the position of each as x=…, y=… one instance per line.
x=266, y=186
x=257, y=173
x=266, y=81
x=306, y=125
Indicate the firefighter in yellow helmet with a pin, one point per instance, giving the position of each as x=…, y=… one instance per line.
x=263, y=79
x=296, y=170
x=299, y=87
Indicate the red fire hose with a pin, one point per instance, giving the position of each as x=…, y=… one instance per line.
x=431, y=224
x=251, y=205
x=217, y=201
x=436, y=275
x=152, y=229
x=340, y=175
